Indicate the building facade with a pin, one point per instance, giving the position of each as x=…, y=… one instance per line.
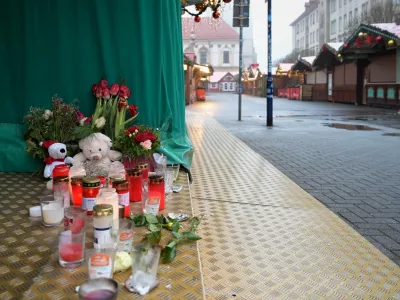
x=217, y=47
x=328, y=20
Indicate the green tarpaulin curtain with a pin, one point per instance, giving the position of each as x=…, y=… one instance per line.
x=62, y=47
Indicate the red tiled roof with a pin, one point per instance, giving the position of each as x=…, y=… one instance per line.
x=204, y=31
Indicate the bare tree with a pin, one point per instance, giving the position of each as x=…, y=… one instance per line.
x=378, y=13
x=290, y=58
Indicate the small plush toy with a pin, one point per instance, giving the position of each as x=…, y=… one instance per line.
x=57, y=156
x=97, y=156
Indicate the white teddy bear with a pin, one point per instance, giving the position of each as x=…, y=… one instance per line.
x=97, y=156
x=57, y=156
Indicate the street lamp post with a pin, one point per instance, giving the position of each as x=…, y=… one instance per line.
x=270, y=84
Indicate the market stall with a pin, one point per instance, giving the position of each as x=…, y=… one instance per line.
x=301, y=68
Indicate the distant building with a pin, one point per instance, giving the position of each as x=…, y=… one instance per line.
x=218, y=47
x=326, y=21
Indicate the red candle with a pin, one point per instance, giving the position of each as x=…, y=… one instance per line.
x=145, y=170
x=76, y=190
x=122, y=188
x=157, y=186
x=103, y=181
x=60, y=170
x=91, y=188
x=135, y=185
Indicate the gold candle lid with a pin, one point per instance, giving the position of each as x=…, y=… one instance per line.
x=156, y=179
x=76, y=179
x=61, y=179
x=102, y=210
x=142, y=165
x=91, y=182
x=134, y=172
x=120, y=184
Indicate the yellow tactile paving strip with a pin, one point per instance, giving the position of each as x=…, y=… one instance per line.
x=28, y=250
x=266, y=238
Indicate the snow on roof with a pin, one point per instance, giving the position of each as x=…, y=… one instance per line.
x=390, y=27
x=309, y=59
x=284, y=67
x=217, y=76
x=335, y=46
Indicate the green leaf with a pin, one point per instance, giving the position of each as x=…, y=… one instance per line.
x=153, y=237
x=151, y=219
x=171, y=244
x=175, y=227
x=139, y=220
x=160, y=219
x=191, y=236
x=153, y=227
x=168, y=254
x=194, y=222
x=176, y=235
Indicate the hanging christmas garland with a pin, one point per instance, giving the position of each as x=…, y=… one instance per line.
x=202, y=7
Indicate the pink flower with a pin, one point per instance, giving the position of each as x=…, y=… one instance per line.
x=88, y=120
x=106, y=94
x=95, y=87
x=124, y=92
x=146, y=145
x=79, y=116
x=103, y=84
x=114, y=89
x=121, y=104
x=98, y=92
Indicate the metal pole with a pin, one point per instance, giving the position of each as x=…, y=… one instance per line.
x=240, y=63
x=270, y=84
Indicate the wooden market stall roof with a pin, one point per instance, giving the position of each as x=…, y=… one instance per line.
x=303, y=64
x=327, y=56
x=283, y=69
x=370, y=39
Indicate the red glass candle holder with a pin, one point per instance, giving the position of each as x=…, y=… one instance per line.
x=60, y=170
x=103, y=181
x=76, y=190
x=91, y=188
x=157, y=186
x=135, y=184
x=122, y=188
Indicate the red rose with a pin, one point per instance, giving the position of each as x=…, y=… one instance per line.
x=88, y=120
x=141, y=137
x=114, y=89
x=133, y=129
x=133, y=110
x=124, y=92
x=103, y=84
x=150, y=136
x=106, y=94
x=94, y=88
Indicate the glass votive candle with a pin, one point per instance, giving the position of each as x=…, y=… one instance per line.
x=125, y=235
x=74, y=218
x=76, y=190
x=71, y=249
x=100, y=288
x=91, y=188
x=110, y=196
x=103, y=181
x=122, y=188
x=114, y=178
x=157, y=186
x=135, y=184
x=52, y=210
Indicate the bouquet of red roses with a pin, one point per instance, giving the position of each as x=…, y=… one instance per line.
x=138, y=141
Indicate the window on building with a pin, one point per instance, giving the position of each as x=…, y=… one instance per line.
x=203, y=56
x=340, y=3
x=297, y=28
x=344, y=21
x=364, y=9
x=340, y=24
x=350, y=17
x=356, y=13
x=333, y=6
x=333, y=27
x=226, y=57
x=316, y=17
x=345, y=2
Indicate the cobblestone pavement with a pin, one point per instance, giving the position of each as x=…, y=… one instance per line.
x=355, y=173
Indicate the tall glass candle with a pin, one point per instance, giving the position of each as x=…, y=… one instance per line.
x=60, y=170
x=103, y=181
x=76, y=190
x=91, y=188
x=157, y=186
x=102, y=224
x=114, y=178
x=135, y=184
x=61, y=191
x=122, y=188
x=110, y=196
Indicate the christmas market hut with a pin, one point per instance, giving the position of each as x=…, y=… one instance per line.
x=302, y=66
x=374, y=50
x=281, y=79
x=252, y=82
x=321, y=77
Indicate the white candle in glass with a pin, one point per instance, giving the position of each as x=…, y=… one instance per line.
x=110, y=196
x=53, y=213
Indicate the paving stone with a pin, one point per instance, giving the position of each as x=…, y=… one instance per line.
x=387, y=242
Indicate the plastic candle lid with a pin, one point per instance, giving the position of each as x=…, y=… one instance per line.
x=35, y=211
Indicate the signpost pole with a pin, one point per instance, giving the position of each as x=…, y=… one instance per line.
x=270, y=84
x=240, y=73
